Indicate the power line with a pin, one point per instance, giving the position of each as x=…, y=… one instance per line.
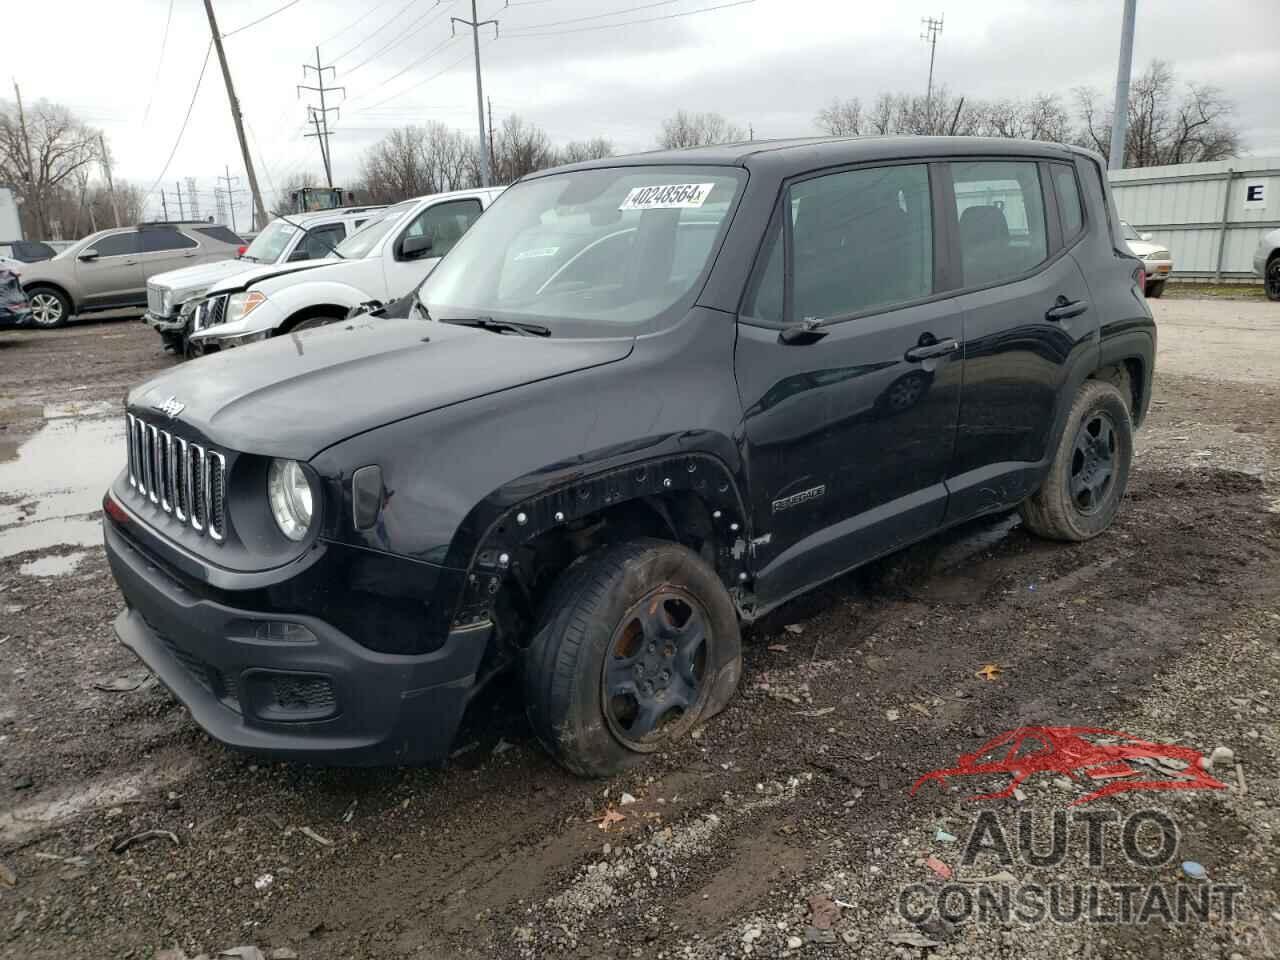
x=164, y=40
x=384, y=26
x=254, y=23
x=185, y=120
x=367, y=13
x=412, y=30
x=600, y=16
x=628, y=23
x=421, y=60
x=374, y=106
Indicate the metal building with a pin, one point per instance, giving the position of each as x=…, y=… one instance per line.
x=1210, y=215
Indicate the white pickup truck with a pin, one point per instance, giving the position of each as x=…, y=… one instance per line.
x=384, y=260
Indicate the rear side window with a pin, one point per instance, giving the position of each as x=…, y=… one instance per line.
x=116, y=245
x=861, y=240
x=221, y=234
x=158, y=241
x=1068, y=193
x=1002, y=223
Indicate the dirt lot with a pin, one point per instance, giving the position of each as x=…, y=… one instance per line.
x=785, y=827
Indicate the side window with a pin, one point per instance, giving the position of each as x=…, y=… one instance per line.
x=319, y=242
x=444, y=223
x=358, y=224
x=861, y=239
x=159, y=241
x=765, y=297
x=1068, y=193
x=221, y=234
x=1002, y=222
x=117, y=245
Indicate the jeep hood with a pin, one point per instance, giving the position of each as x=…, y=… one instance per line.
x=265, y=271
x=293, y=396
x=190, y=281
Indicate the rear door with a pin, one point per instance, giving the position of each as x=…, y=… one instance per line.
x=849, y=432
x=166, y=249
x=445, y=223
x=113, y=277
x=1027, y=321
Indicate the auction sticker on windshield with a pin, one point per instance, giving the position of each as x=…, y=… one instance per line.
x=670, y=196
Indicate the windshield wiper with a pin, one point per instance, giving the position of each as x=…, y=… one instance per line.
x=500, y=326
x=319, y=236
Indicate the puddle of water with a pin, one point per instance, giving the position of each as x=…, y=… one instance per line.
x=60, y=474
x=53, y=566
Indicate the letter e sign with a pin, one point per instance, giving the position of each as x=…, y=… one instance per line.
x=1255, y=194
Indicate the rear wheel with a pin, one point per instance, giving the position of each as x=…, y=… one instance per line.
x=49, y=307
x=637, y=644
x=1272, y=279
x=1081, y=493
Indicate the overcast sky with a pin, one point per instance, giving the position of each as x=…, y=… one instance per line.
x=768, y=63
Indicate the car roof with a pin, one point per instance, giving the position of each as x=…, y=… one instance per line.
x=796, y=155
x=336, y=213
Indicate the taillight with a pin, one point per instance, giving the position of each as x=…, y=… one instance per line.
x=1140, y=279
x=240, y=250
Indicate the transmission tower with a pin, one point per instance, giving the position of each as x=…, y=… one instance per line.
x=193, y=203
x=319, y=116
x=930, y=28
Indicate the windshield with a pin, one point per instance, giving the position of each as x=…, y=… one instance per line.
x=361, y=243
x=1128, y=231
x=270, y=244
x=591, y=252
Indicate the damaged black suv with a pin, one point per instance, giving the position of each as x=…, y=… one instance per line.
x=641, y=402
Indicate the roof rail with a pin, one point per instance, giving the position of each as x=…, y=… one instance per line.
x=174, y=223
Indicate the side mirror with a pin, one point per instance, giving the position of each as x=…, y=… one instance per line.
x=1145, y=236
x=90, y=254
x=413, y=248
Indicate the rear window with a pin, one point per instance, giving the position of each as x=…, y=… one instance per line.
x=221, y=234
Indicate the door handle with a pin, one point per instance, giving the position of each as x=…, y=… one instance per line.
x=1064, y=309
x=929, y=350
x=187, y=256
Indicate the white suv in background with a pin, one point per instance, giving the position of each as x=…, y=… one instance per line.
x=171, y=296
x=385, y=260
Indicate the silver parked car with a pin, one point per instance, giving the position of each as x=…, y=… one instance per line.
x=108, y=270
x=1157, y=261
x=1266, y=263
x=307, y=236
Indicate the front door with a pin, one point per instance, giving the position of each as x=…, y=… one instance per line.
x=444, y=223
x=849, y=431
x=1027, y=318
x=112, y=277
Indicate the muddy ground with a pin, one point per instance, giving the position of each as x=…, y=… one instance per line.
x=785, y=827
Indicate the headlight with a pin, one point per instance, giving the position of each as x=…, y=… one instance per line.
x=290, y=497
x=166, y=301
x=242, y=304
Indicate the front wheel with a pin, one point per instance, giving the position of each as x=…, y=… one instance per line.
x=49, y=307
x=1081, y=493
x=637, y=644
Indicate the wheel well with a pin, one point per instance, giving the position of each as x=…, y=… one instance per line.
x=42, y=285
x=1275, y=255
x=307, y=313
x=1127, y=377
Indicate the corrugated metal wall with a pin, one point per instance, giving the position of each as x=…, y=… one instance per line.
x=1199, y=211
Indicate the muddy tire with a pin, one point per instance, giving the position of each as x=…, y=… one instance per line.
x=1081, y=493
x=636, y=645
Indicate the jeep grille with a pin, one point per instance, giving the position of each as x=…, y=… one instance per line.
x=155, y=300
x=184, y=479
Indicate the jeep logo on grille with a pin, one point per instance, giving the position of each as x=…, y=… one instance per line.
x=170, y=408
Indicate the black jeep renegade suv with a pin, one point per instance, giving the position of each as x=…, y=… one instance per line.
x=644, y=400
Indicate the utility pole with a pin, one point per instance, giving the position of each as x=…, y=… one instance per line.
x=231, y=196
x=235, y=116
x=181, y=213
x=321, y=117
x=164, y=204
x=1120, y=113
x=193, y=203
x=493, y=159
x=929, y=34
x=475, y=26
x=29, y=174
x=111, y=187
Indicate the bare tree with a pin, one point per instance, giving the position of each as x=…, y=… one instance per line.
x=841, y=118
x=575, y=151
x=40, y=152
x=520, y=147
x=1166, y=124
x=395, y=167
x=686, y=129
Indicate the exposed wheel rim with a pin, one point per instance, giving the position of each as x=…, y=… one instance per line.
x=655, y=667
x=1093, y=463
x=312, y=323
x=1273, y=280
x=46, y=309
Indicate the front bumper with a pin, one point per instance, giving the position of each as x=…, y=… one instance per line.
x=325, y=699
x=1157, y=269
x=164, y=324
